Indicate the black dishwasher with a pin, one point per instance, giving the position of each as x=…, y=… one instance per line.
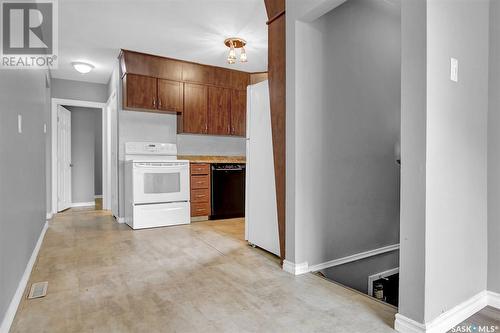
x=228, y=191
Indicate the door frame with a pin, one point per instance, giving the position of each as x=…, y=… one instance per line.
x=54, y=138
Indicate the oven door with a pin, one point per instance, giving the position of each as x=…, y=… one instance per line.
x=156, y=182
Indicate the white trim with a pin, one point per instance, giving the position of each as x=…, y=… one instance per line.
x=304, y=267
x=106, y=151
x=378, y=276
x=83, y=204
x=99, y=196
x=295, y=269
x=120, y=219
x=49, y=216
x=446, y=320
x=53, y=134
x=354, y=257
x=406, y=325
x=494, y=299
x=16, y=299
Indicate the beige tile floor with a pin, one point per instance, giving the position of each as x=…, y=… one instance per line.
x=104, y=277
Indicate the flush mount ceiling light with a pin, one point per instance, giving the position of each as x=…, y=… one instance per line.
x=236, y=43
x=83, y=67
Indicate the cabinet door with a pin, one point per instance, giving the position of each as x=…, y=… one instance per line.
x=219, y=108
x=170, y=95
x=140, y=92
x=238, y=112
x=195, y=115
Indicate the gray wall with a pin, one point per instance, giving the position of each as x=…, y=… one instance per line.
x=413, y=155
x=84, y=91
x=22, y=190
x=444, y=156
x=355, y=274
x=347, y=112
x=84, y=131
x=494, y=151
x=456, y=207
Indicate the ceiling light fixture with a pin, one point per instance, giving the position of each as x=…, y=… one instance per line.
x=236, y=43
x=83, y=67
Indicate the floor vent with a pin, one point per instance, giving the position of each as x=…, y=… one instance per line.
x=38, y=290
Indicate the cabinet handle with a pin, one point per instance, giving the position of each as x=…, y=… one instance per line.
x=159, y=103
x=206, y=128
x=154, y=102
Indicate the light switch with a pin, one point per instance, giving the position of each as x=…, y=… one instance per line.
x=19, y=123
x=454, y=70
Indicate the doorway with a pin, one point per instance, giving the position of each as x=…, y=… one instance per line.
x=80, y=152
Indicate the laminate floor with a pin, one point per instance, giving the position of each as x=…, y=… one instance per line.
x=486, y=320
x=203, y=277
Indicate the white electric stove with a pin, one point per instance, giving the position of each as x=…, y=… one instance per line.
x=156, y=186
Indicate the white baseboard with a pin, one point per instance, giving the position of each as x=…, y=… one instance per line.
x=494, y=299
x=99, y=196
x=445, y=321
x=49, y=216
x=354, y=257
x=16, y=299
x=295, y=269
x=406, y=325
x=119, y=219
x=83, y=204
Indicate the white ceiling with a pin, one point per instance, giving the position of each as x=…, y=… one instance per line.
x=95, y=30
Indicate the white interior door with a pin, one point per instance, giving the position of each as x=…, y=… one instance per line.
x=63, y=159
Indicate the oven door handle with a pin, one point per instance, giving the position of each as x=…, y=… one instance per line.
x=169, y=167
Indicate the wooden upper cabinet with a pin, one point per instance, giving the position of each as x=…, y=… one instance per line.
x=150, y=65
x=219, y=111
x=221, y=77
x=140, y=92
x=239, y=80
x=238, y=112
x=197, y=73
x=195, y=115
x=170, y=95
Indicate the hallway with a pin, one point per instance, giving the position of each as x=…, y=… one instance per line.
x=104, y=277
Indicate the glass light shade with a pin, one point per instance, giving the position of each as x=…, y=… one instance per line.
x=243, y=55
x=83, y=67
x=231, y=58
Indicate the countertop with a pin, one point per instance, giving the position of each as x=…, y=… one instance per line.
x=212, y=159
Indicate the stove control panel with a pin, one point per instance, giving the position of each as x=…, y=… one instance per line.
x=150, y=148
